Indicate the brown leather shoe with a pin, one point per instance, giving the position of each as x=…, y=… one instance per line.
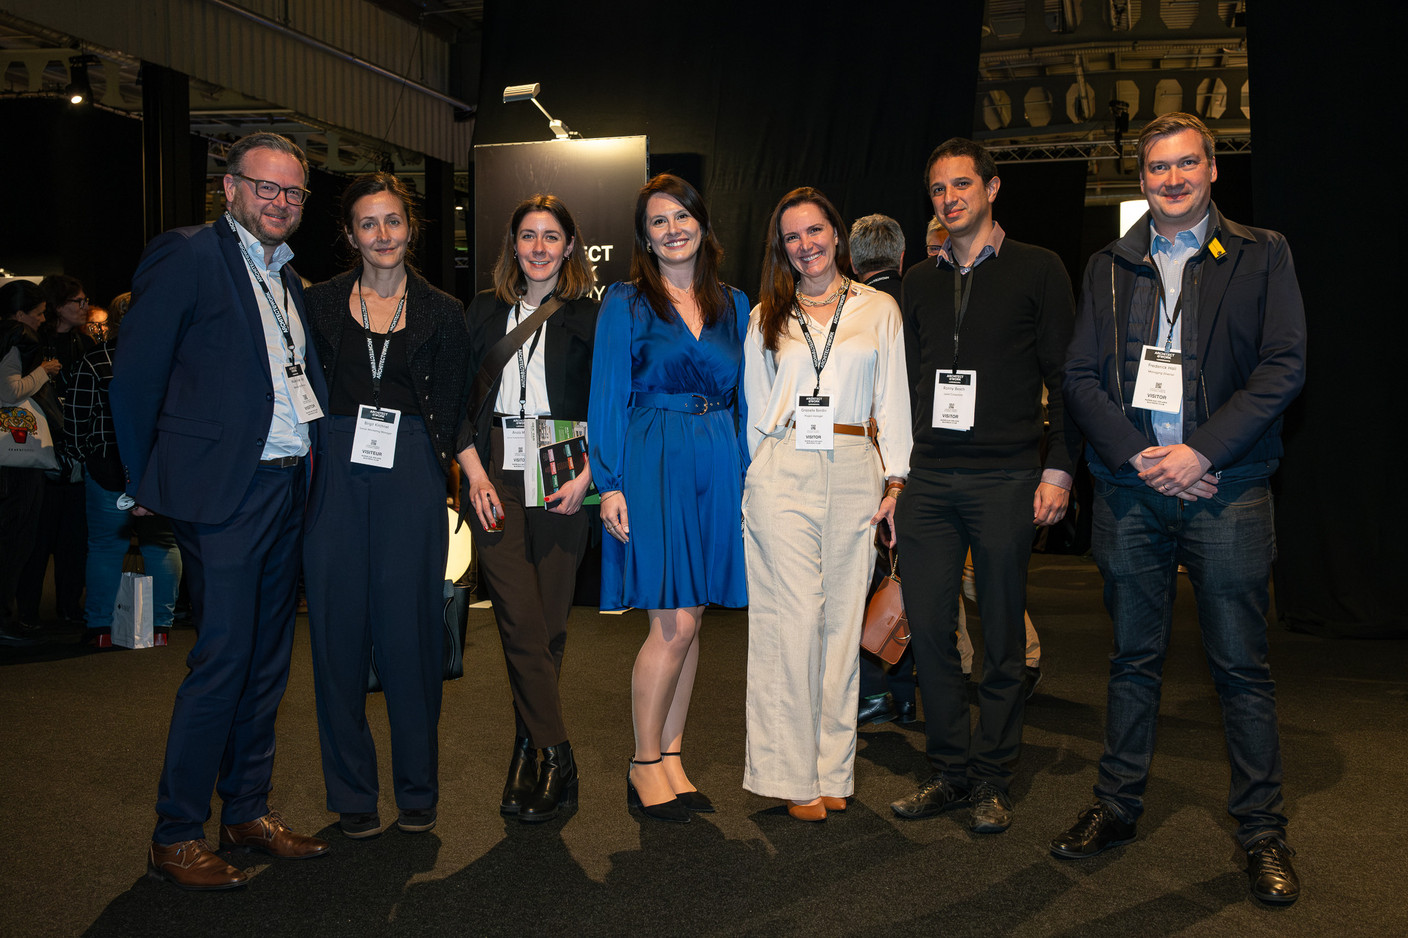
x=191, y=864
x=270, y=834
x=807, y=812
x=833, y=804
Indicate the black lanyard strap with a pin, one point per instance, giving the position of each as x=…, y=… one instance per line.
x=379, y=364
x=819, y=363
x=278, y=314
x=519, y=309
x=962, y=290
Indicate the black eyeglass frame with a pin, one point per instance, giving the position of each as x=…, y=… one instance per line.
x=284, y=190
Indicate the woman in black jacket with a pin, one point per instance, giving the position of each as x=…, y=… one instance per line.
x=528, y=556
x=393, y=349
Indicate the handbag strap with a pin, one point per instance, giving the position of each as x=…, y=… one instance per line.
x=505, y=348
x=894, y=560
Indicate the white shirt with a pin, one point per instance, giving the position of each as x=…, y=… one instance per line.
x=286, y=437
x=864, y=376
x=1170, y=257
x=537, y=396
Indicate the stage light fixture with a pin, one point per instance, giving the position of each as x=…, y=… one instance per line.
x=80, y=90
x=530, y=93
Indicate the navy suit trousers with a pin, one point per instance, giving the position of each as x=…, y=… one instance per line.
x=243, y=580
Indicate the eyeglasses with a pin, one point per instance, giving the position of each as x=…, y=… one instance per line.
x=82, y=301
x=97, y=330
x=269, y=191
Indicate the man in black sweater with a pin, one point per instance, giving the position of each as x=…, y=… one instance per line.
x=986, y=325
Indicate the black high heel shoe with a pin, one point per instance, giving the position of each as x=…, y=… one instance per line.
x=692, y=800
x=672, y=810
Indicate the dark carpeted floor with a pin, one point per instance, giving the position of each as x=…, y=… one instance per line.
x=83, y=731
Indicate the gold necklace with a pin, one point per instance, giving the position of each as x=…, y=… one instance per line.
x=826, y=300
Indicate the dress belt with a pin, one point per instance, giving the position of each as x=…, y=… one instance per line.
x=683, y=403
x=281, y=462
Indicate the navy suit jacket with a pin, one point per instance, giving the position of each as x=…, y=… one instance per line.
x=192, y=396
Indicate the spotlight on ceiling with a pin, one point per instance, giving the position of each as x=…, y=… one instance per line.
x=530, y=93
x=80, y=90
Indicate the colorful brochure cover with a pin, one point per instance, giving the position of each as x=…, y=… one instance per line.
x=557, y=453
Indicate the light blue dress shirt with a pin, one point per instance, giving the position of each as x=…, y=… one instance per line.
x=1170, y=257
x=287, y=437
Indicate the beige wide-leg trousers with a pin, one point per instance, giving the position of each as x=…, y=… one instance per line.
x=810, y=551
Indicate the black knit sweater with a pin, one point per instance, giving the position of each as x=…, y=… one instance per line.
x=1014, y=335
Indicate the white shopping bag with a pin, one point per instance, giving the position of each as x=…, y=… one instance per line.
x=132, y=615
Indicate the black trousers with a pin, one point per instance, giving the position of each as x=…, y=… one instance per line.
x=374, y=570
x=529, y=568
x=63, y=534
x=21, y=494
x=941, y=514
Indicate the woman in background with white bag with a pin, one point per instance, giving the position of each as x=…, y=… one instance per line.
x=24, y=375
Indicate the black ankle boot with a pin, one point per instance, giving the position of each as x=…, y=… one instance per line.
x=522, y=776
x=557, y=785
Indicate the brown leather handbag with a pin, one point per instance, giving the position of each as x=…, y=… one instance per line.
x=886, y=631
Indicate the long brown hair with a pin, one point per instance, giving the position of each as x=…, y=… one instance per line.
x=645, y=266
x=574, y=277
x=779, y=287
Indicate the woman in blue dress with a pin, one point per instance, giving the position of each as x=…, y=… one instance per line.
x=663, y=426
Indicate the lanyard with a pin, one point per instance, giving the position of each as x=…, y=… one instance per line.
x=820, y=363
x=519, y=309
x=962, y=290
x=379, y=364
x=278, y=316
x=1177, y=311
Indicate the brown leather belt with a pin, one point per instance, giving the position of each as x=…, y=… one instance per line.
x=849, y=429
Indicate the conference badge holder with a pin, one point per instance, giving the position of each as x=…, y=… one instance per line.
x=515, y=444
x=955, y=399
x=374, y=443
x=1159, y=383
x=305, y=402
x=815, y=419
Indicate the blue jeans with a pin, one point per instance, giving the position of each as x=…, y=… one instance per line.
x=110, y=531
x=1227, y=542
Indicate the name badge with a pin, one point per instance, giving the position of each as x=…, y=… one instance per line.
x=374, y=443
x=515, y=444
x=305, y=402
x=815, y=419
x=1159, y=384
x=955, y=399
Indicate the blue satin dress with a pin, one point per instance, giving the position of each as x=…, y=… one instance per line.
x=681, y=473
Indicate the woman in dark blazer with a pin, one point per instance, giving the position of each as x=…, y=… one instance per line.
x=394, y=351
x=528, y=557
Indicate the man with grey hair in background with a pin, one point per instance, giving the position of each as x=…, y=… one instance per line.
x=877, y=253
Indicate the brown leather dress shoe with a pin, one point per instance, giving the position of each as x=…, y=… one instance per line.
x=270, y=834
x=833, y=804
x=191, y=864
x=807, y=812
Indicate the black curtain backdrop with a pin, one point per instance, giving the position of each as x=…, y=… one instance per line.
x=748, y=100
x=1044, y=203
x=1340, y=518
x=74, y=204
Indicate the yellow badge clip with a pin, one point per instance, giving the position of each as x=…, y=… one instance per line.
x=1216, y=249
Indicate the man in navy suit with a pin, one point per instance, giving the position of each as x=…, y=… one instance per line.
x=216, y=398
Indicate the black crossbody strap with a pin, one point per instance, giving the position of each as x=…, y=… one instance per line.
x=505, y=348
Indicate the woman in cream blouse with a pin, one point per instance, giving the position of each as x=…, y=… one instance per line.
x=828, y=434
